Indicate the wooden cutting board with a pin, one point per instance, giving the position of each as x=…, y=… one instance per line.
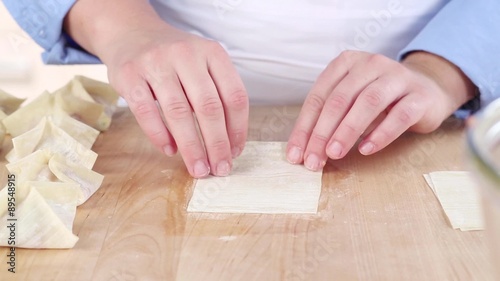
x=377, y=219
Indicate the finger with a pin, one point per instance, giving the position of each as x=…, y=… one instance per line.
x=370, y=103
x=207, y=105
x=313, y=105
x=336, y=107
x=374, y=124
x=407, y=112
x=179, y=117
x=143, y=106
x=233, y=96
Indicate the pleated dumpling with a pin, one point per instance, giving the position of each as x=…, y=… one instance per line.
x=28, y=116
x=44, y=215
x=47, y=136
x=88, y=100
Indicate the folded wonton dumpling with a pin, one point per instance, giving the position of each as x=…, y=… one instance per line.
x=88, y=100
x=77, y=103
x=81, y=132
x=28, y=116
x=47, y=136
x=101, y=92
x=34, y=167
x=52, y=160
x=61, y=197
x=87, y=180
x=45, y=212
x=42, y=165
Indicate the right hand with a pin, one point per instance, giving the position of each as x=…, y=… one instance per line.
x=185, y=74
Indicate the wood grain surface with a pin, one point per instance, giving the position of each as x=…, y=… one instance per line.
x=377, y=220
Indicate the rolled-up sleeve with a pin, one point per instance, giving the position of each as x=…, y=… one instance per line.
x=43, y=21
x=467, y=33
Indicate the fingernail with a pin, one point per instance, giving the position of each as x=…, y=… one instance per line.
x=367, y=148
x=235, y=151
x=223, y=168
x=168, y=150
x=200, y=169
x=312, y=162
x=294, y=155
x=335, y=150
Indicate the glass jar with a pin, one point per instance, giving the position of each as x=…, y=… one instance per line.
x=483, y=141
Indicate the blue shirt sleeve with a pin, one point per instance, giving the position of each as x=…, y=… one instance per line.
x=466, y=33
x=43, y=21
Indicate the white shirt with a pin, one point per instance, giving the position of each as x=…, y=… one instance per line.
x=279, y=47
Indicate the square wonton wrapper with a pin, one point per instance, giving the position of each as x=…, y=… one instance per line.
x=262, y=181
x=459, y=198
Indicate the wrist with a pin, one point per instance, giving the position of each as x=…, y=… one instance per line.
x=96, y=24
x=457, y=87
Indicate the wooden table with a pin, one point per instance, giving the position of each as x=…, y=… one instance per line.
x=377, y=220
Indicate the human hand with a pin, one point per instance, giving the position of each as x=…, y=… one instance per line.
x=373, y=97
x=185, y=74
x=158, y=68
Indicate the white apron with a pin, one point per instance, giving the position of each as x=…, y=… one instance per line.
x=280, y=46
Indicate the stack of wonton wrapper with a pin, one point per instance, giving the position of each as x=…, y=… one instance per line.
x=52, y=159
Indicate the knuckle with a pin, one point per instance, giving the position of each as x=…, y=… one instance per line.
x=337, y=102
x=405, y=114
x=177, y=110
x=128, y=71
x=315, y=102
x=238, y=100
x=378, y=59
x=428, y=125
x=210, y=107
x=352, y=129
x=402, y=70
x=384, y=135
x=431, y=127
x=156, y=74
x=191, y=145
x=135, y=95
x=215, y=48
x=344, y=58
x=182, y=49
x=299, y=137
x=372, y=97
x=143, y=110
x=319, y=138
x=157, y=135
x=218, y=146
x=347, y=54
x=153, y=54
x=129, y=68
x=350, y=57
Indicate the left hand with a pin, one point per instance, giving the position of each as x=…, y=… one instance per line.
x=371, y=96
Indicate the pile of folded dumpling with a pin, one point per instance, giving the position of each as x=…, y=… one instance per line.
x=52, y=160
